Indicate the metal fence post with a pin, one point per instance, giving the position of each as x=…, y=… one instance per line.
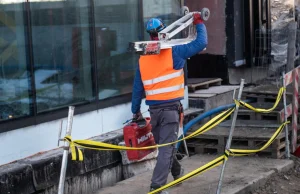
x=228, y=144
x=295, y=108
x=66, y=152
x=287, y=142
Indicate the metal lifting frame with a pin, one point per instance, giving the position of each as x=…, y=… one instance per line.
x=170, y=31
x=165, y=41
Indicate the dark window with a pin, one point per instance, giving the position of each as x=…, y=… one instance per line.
x=116, y=24
x=61, y=53
x=14, y=79
x=74, y=52
x=167, y=10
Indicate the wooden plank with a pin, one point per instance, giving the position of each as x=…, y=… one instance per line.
x=241, y=132
x=267, y=90
x=216, y=144
x=194, y=95
x=200, y=80
x=217, y=90
x=252, y=124
x=196, y=83
x=245, y=114
x=265, y=105
x=264, y=98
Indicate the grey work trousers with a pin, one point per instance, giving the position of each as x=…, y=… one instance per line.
x=165, y=125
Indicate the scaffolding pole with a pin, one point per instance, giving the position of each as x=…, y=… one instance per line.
x=231, y=134
x=66, y=152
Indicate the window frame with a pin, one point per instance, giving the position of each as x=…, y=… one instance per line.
x=36, y=118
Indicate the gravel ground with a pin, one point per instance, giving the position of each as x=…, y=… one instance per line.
x=283, y=183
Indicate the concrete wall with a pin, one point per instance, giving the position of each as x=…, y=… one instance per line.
x=24, y=142
x=40, y=173
x=215, y=25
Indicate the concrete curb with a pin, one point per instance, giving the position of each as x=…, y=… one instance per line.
x=40, y=173
x=261, y=180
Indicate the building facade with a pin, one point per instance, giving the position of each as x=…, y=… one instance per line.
x=56, y=53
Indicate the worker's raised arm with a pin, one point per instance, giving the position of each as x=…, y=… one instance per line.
x=188, y=50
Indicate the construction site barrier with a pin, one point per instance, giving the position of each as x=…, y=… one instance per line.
x=293, y=77
x=239, y=152
x=89, y=144
x=279, y=96
x=218, y=161
x=95, y=145
x=214, y=163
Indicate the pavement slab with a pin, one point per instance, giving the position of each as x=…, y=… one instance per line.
x=242, y=174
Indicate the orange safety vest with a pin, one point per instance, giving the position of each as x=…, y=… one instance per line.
x=161, y=81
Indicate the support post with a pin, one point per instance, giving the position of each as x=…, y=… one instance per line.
x=291, y=46
x=228, y=144
x=66, y=152
x=295, y=108
x=185, y=147
x=287, y=142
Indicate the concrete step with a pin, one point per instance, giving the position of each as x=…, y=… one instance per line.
x=242, y=175
x=191, y=113
x=212, y=97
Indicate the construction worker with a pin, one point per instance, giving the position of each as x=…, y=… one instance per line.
x=161, y=78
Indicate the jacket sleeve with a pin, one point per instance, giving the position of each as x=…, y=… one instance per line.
x=188, y=50
x=137, y=93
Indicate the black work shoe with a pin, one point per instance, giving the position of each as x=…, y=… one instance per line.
x=161, y=192
x=180, y=175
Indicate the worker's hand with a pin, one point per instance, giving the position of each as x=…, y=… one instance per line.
x=136, y=117
x=197, y=19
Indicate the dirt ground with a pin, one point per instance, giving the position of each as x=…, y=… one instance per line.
x=283, y=183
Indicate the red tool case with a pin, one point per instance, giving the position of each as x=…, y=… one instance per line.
x=138, y=134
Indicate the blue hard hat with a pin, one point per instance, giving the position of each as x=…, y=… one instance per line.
x=155, y=25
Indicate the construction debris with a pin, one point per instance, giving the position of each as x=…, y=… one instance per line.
x=282, y=15
x=286, y=182
x=280, y=9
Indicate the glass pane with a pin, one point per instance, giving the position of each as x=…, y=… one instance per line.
x=167, y=10
x=14, y=80
x=116, y=25
x=62, y=54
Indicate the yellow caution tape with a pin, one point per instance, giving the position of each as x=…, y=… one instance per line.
x=220, y=160
x=89, y=144
x=279, y=96
x=77, y=153
x=239, y=152
x=214, y=163
x=211, y=124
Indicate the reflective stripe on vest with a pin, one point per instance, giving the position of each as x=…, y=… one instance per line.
x=161, y=81
x=164, y=90
x=163, y=78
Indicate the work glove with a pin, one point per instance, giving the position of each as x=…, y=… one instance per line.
x=136, y=117
x=197, y=19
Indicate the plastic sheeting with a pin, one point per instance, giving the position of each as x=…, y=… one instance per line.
x=282, y=15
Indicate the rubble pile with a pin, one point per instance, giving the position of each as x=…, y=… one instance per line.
x=280, y=9
x=282, y=15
